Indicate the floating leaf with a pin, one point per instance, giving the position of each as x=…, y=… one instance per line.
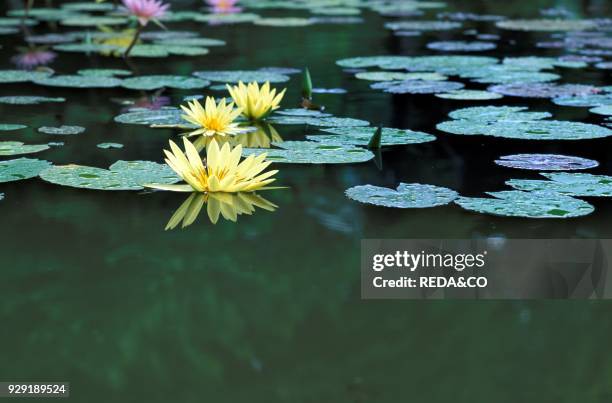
x=187, y=50
x=122, y=175
x=227, y=18
x=543, y=90
x=310, y=152
x=605, y=110
x=470, y=95
x=547, y=25
x=570, y=184
x=584, y=101
x=284, y=22
x=495, y=113
x=161, y=117
x=109, y=145
x=360, y=136
x=545, y=162
x=28, y=100
x=461, y=46
x=88, y=6
x=417, y=86
x=62, y=130
x=398, y=76
x=18, y=148
x=527, y=205
x=302, y=112
x=318, y=121
x=104, y=72
x=233, y=76
x=407, y=195
x=5, y=127
x=16, y=22
x=147, y=83
x=76, y=81
x=21, y=76
x=422, y=25
x=92, y=21
x=204, y=42
x=20, y=169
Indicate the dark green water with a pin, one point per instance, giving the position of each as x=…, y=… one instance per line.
x=268, y=309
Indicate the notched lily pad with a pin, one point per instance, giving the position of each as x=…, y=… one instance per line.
x=122, y=175
x=18, y=148
x=545, y=162
x=570, y=184
x=22, y=168
x=62, y=130
x=527, y=205
x=311, y=152
x=407, y=195
x=360, y=136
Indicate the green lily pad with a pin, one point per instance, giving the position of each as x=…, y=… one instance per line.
x=76, y=81
x=161, y=117
x=21, y=76
x=284, y=22
x=28, y=100
x=45, y=14
x=227, y=18
x=469, y=95
x=417, y=86
x=62, y=130
x=318, y=121
x=147, y=83
x=605, y=110
x=122, y=175
x=104, y=72
x=6, y=127
x=495, y=113
x=16, y=22
x=109, y=145
x=461, y=46
x=423, y=25
x=398, y=76
x=570, y=184
x=200, y=42
x=360, y=136
x=545, y=162
x=543, y=90
x=187, y=50
x=583, y=101
x=527, y=205
x=20, y=169
x=247, y=76
x=407, y=195
x=88, y=48
x=148, y=51
x=311, y=152
x=18, y=148
x=88, y=6
x=547, y=25
x=302, y=112
x=92, y=21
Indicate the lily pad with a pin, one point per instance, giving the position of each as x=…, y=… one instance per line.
x=570, y=184
x=187, y=50
x=605, y=110
x=470, y=95
x=88, y=6
x=284, y=22
x=417, y=86
x=543, y=90
x=204, y=42
x=407, y=195
x=62, y=130
x=584, y=101
x=122, y=175
x=148, y=83
x=545, y=162
x=109, y=145
x=6, y=127
x=360, y=136
x=28, y=100
x=495, y=113
x=104, y=72
x=233, y=76
x=216, y=19
x=16, y=22
x=527, y=205
x=423, y=25
x=461, y=46
x=21, y=76
x=18, y=148
x=398, y=76
x=22, y=168
x=92, y=21
x=311, y=152
x=76, y=81
x=161, y=117
x=547, y=25
x=318, y=121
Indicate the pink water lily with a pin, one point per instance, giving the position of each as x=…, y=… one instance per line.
x=223, y=6
x=33, y=58
x=145, y=10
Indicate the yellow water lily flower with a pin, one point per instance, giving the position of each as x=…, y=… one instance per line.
x=256, y=102
x=214, y=118
x=222, y=172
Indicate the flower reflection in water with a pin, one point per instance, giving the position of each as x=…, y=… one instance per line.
x=29, y=58
x=226, y=205
x=262, y=137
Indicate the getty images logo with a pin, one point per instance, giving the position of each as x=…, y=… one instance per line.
x=414, y=261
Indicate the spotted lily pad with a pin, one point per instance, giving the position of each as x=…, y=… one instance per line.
x=496, y=113
x=584, y=101
x=543, y=90
x=547, y=25
x=147, y=83
x=161, y=117
x=470, y=95
x=546, y=162
x=18, y=148
x=417, y=86
x=407, y=195
x=20, y=169
x=122, y=175
x=6, y=127
x=77, y=81
x=233, y=76
x=28, y=100
x=109, y=145
x=21, y=76
x=539, y=204
x=398, y=76
x=62, y=130
x=311, y=152
x=461, y=46
x=360, y=136
x=422, y=25
x=318, y=121
x=570, y=184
